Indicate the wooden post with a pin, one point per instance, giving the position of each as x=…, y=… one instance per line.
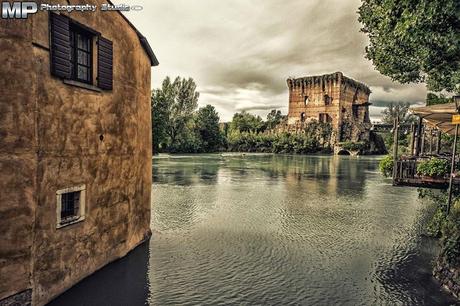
x=419, y=132
x=395, y=149
x=452, y=169
x=412, y=139
x=431, y=141
x=438, y=142
x=422, y=140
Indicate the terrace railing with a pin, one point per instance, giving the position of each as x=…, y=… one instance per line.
x=406, y=175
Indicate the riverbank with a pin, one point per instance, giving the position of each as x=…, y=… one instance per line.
x=448, y=276
x=447, y=268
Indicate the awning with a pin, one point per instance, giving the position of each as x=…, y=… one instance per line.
x=437, y=116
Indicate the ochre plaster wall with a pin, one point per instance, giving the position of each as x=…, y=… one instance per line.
x=53, y=141
x=18, y=162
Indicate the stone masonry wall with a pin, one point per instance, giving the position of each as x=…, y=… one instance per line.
x=71, y=136
x=343, y=100
x=315, y=88
x=356, y=125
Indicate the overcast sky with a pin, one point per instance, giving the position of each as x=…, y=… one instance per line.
x=240, y=52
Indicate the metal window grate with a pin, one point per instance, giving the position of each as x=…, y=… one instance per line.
x=70, y=206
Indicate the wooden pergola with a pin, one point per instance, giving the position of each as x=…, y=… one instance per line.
x=442, y=117
x=438, y=116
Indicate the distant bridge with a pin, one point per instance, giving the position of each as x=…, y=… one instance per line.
x=385, y=128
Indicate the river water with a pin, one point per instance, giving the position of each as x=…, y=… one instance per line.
x=252, y=229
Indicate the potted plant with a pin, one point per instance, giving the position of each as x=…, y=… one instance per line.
x=433, y=168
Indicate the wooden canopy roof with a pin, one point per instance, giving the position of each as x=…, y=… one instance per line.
x=438, y=116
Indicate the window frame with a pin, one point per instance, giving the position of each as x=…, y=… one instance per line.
x=355, y=111
x=60, y=223
x=327, y=100
x=75, y=30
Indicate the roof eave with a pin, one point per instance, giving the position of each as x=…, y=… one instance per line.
x=144, y=43
x=148, y=50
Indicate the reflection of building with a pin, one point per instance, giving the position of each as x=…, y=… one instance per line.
x=331, y=98
x=75, y=149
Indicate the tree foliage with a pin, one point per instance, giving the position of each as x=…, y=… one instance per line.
x=274, y=118
x=207, y=126
x=246, y=122
x=433, y=167
x=414, y=40
x=433, y=99
x=386, y=165
x=315, y=139
x=172, y=108
x=160, y=118
x=397, y=110
x=183, y=101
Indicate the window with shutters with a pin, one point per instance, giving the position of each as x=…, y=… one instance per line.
x=81, y=55
x=72, y=54
x=70, y=205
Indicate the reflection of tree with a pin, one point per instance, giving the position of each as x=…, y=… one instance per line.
x=186, y=171
x=322, y=174
x=351, y=175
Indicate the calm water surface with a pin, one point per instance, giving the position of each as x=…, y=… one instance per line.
x=274, y=230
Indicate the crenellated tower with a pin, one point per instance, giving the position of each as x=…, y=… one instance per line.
x=332, y=98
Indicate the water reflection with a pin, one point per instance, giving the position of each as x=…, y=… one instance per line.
x=280, y=230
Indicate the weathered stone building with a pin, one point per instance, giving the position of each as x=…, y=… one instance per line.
x=331, y=98
x=75, y=148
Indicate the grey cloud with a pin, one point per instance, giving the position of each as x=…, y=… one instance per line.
x=241, y=52
x=261, y=107
x=386, y=103
x=375, y=113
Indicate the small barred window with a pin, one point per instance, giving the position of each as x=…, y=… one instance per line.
x=70, y=205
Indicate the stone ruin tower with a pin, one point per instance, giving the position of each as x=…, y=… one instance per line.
x=332, y=98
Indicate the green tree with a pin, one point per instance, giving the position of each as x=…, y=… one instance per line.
x=173, y=106
x=397, y=110
x=246, y=122
x=433, y=99
x=207, y=126
x=160, y=115
x=414, y=40
x=274, y=118
x=183, y=102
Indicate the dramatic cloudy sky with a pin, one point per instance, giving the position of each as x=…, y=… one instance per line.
x=240, y=52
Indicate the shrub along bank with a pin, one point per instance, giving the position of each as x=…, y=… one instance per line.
x=447, y=230
x=276, y=143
